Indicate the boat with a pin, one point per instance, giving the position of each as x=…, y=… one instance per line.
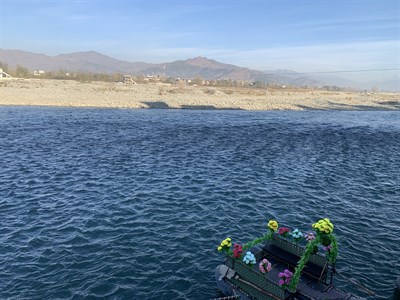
x=281, y=267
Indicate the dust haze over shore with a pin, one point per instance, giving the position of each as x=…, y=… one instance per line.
x=45, y=92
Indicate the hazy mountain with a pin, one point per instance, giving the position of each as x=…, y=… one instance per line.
x=387, y=85
x=202, y=67
x=323, y=79
x=29, y=60
x=314, y=79
x=90, y=61
x=95, y=62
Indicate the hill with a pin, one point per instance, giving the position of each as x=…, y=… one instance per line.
x=202, y=67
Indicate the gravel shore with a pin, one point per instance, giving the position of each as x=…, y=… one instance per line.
x=43, y=92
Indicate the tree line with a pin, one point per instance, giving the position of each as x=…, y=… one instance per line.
x=62, y=74
x=23, y=72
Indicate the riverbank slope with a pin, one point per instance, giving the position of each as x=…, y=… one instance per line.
x=43, y=92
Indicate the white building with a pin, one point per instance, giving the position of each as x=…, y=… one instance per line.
x=4, y=74
x=38, y=73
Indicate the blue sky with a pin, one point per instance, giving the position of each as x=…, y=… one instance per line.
x=301, y=35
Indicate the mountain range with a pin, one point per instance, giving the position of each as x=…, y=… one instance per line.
x=92, y=61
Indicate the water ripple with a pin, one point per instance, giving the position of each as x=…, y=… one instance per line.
x=122, y=204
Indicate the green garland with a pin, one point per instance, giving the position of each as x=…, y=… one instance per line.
x=331, y=255
x=325, y=237
x=302, y=263
x=256, y=241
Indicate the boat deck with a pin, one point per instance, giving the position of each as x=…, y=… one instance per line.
x=315, y=281
x=312, y=283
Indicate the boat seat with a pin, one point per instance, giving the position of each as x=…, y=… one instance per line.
x=291, y=259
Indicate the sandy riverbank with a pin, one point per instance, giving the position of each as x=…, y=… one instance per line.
x=42, y=92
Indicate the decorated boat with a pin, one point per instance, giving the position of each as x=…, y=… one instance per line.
x=282, y=265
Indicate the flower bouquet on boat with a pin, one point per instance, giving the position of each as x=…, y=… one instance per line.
x=282, y=264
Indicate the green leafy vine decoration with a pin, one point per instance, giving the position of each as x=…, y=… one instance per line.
x=331, y=255
x=254, y=242
x=324, y=229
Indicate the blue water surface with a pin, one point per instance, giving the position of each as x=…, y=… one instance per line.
x=131, y=204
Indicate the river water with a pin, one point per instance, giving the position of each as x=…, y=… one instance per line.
x=131, y=204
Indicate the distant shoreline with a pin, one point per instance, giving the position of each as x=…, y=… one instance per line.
x=69, y=93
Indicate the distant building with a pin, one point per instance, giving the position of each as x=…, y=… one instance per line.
x=151, y=78
x=4, y=74
x=128, y=79
x=38, y=73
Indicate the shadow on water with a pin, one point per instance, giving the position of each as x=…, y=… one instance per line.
x=389, y=105
x=163, y=105
x=157, y=104
x=305, y=107
x=395, y=104
x=209, y=107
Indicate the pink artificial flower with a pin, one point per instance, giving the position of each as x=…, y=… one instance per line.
x=310, y=237
x=265, y=266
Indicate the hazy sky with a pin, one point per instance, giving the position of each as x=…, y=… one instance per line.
x=301, y=35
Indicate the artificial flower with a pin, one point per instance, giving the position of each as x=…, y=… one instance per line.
x=285, y=277
x=249, y=258
x=237, y=251
x=310, y=236
x=283, y=231
x=323, y=226
x=225, y=245
x=273, y=225
x=297, y=234
x=265, y=266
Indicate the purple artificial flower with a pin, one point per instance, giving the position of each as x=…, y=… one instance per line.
x=288, y=273
x=286, y=277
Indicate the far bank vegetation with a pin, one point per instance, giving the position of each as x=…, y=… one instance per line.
x=172, y=85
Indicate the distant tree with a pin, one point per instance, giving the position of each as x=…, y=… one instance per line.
x=198, y=80
x=374, y=89
x=259, y=84
x=117, y=77
x=332, y=88
x=48, y=75
x=61, y=74
x=4, y=66
x=170, y=80
x=21, y=72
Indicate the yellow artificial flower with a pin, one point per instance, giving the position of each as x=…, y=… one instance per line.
x=272, y=224
x=324, y=225
x=225, y=244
